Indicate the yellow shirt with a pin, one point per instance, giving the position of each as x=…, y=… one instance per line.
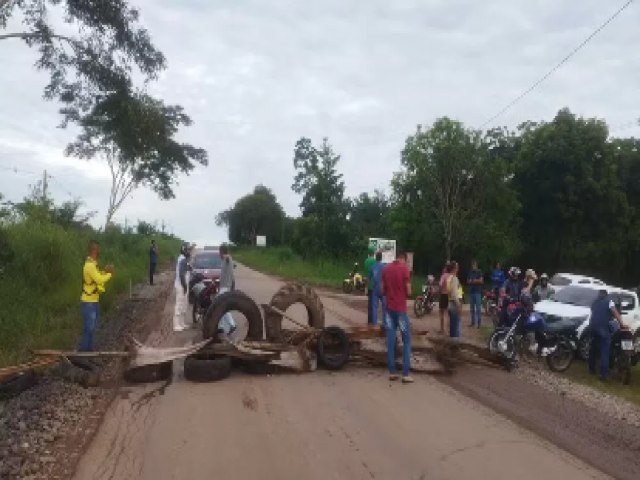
x=93, y=281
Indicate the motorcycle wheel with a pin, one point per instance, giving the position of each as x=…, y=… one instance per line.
x=561, y=358
x=347, y=286
x=509, y=352
x=584, y=345
x=622, y=368
x=418, y=306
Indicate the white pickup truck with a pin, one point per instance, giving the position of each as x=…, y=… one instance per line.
x=572, y=306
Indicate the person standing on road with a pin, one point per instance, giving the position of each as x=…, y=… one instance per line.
x=182, y=267
x=368, y=265
x=153, y=260
x=602, y=309
x=455, y=307
x=497, y=279
x=396, y=286
x=475, y=280
x=374, y=282
x=444, y=294
x=227, y=284
x=93, y=281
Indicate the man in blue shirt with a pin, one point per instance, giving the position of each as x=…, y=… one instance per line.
x=475, y=280
x=375, y=290
x=497, y=278
x=602, y=310
x=153, y=260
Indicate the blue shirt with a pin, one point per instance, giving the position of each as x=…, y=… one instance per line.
x=375, y=277
x=474, y=275
x=153, y=255
x=513, y=288
x=497, y=278
x=601, y=315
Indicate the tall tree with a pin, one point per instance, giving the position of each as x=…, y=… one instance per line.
x=574, y=204
x=369, y=215
x=92, y=51
x=258, y=213
x=323, y=202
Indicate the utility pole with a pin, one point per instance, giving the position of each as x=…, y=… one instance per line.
x=44, y=186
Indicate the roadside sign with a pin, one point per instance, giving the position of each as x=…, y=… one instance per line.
x=261, y=241
x=386, y=246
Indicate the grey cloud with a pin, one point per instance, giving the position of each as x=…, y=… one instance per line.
x=255, y=76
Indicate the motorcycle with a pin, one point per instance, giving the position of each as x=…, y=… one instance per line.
x=623, y=355
x=354, y=281
x=515, y=340
x=490, y=303
x=203, y=293
x=426, y=302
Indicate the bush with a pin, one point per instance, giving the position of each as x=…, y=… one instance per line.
x=40, y=282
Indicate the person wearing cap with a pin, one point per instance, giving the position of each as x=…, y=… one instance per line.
x=543, y=291
x=369, y=262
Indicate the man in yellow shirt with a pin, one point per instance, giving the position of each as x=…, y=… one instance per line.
x=93, y=281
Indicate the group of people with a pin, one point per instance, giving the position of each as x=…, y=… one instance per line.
x=94, y=280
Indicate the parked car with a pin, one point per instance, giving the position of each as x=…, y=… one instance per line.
x=205, y=267
x=571, y=306
x=561, y=280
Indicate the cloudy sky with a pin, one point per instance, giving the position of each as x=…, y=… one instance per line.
x=256, y=75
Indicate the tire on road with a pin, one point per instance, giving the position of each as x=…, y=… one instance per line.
x=149, y=373
x=17, y=384
x=334, y=348
x=288, y=295
x=206, y=367
x=230, y=301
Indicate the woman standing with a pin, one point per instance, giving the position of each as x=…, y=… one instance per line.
x=455, y=306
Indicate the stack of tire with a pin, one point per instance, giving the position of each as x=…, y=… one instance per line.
x=332, y=346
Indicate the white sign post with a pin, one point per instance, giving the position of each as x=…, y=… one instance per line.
x=261, y=241
x=386, y=246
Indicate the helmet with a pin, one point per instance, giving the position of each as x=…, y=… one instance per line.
x=514, y=272
x=430, y=279
x=544, y=276
x=530, y=273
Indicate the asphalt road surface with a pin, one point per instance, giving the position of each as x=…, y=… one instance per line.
x=352, y=424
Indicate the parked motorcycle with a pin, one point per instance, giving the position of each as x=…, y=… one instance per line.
x=203, y=293
x=490, y=303
x=354, y=281
x=426, y=302
x=623, y=355
x=517, y=339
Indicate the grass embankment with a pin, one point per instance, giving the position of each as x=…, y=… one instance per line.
x=283, y=262
x=40, y=284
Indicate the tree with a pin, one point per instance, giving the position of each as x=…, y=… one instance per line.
x=146, y=228
x=574, y=207
x=368, y=215
x=323, y=200
x=258, y=213
x=91, y=66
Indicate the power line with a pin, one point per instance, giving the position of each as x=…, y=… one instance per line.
x=557, y=66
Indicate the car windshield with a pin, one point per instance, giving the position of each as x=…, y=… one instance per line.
x=207, y=261
x=580, y=296
x=560, y=280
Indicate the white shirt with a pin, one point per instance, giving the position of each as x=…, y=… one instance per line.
x=178, y=283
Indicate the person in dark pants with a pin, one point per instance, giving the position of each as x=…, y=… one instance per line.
x=373, y=283
x=602, y=310
x=368, y=265
x=153, y=260
x=475, y=280
x=396, y=286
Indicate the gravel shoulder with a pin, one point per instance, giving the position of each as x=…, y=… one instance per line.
x=45, y=430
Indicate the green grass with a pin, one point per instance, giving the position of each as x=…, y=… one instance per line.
x=283, y=262
x=41, y=282
x=579, y=372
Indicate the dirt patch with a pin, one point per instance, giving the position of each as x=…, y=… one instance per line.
x=249, y=402
x=44, y=431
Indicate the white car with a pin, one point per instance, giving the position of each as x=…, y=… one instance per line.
x=561, y=280
x=572, y=306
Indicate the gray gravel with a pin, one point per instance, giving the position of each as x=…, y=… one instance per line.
x=608, y=404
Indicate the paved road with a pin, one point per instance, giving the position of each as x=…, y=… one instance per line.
x=353, y=424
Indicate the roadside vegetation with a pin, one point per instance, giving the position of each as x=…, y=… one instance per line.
x=42, y=250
